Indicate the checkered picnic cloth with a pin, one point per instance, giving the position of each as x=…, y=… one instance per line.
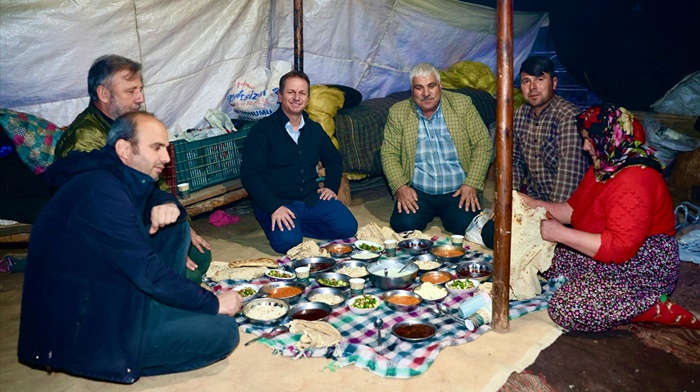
x=394, y=358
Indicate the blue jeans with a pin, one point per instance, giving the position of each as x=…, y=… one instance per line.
x=178, y=340
x=454, y=219
x=328, y=219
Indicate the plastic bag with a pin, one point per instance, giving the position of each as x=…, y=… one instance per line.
x=473, y=232
x=688, y=234
x=254, y=95
x=667, y=142
x=683, y=98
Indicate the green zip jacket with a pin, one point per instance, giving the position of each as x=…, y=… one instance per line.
x=466, y=128
x=86, y=133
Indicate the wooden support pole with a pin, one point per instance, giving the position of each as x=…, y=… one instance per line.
x=504, y=165
x=299, y=35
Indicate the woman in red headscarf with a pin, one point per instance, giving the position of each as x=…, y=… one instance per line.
x=619, y=254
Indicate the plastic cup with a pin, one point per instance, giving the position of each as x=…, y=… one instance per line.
x=183, y=190
x=390, y=248
x=457, y=240
x=357, y=286
x=470, y=306
x=303, y=274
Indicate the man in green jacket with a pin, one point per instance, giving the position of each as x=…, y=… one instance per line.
x=115, y=86
x=435, y=156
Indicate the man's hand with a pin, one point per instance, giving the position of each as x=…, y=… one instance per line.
x=327, y=194
x=198, y=241
x=163, y=215
x=283, y=215
x=406, y=199
x=468, y=198
x=230, y=302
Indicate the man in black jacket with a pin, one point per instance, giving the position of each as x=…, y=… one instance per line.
x=103, y=297
x=278, y=170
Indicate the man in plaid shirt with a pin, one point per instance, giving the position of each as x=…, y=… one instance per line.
x=548, y=160
x=435, y=155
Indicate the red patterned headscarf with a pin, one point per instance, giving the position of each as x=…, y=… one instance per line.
x=617, y=138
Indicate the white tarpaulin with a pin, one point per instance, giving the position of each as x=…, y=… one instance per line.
x=193, y=50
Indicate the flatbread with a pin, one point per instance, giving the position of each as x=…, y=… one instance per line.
x=219, y=270
x=372, y=232
x=259, y=262
x=529, y=253
x=305, y=250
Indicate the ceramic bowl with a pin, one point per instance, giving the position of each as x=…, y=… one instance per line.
x=459, y=286
x=280, y=275
x=356, y=303
x=369, y=246
x=248, y=287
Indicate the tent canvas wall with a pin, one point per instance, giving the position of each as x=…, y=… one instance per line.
x=193, y=51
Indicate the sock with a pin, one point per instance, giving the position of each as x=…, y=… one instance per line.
x=668, y=313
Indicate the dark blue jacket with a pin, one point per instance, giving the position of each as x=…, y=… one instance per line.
x=276, y=171
x=91, y=272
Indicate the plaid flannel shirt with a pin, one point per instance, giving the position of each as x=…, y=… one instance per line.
x=547, y=151
x=470, y=136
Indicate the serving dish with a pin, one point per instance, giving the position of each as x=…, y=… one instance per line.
x=339, y=250
x=448, y=253
x=479, y=270
x=274, y=304
x=310, y=311
x=426, y=262
x=366, y=256
x=461, y=286
x=280, y=275
x=414, y=330
x=249, y=289
x=312, y=295
x=393, y=280
x=436, y=277
x=431, y=293
x=371, y=302
x=352, y=268
x=415, y=246
x=333, y=279
x=316, y=264
x=288, y=292
x=402, y=300
x=369, y=246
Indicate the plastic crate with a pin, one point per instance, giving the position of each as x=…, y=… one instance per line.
x=205, y=162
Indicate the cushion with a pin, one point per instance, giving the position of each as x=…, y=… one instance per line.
x=34, y=138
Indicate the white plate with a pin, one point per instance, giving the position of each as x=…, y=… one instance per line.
x=288, y=275
x=378, y=247
x=363, y=310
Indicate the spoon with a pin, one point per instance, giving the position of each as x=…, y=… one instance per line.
x=404, y=267
x=278, y=330
x=379, y=323
x=445, y=311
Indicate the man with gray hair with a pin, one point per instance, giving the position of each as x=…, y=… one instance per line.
x=103, y=297
x=435, y=156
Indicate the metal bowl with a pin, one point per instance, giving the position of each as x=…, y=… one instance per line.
x=403, y=293
x=310, y=311
x=448, y=253
x=274, y=302
x=415, y=246
x=431, y=300
x=352, y=264
x=316, y=264
x=343, y=294
x=269, y=291
x=333, y=279
x=378, y=280
x=424, y=258
x=366, y=256
x=478, y=270
x=414, y=330
x=436, y=277
x=339, y=250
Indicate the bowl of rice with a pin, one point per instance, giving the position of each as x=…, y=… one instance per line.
x=352, y=268
x=427, y=262
x=332, y=296
x=265, y=311
x=431, y=292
